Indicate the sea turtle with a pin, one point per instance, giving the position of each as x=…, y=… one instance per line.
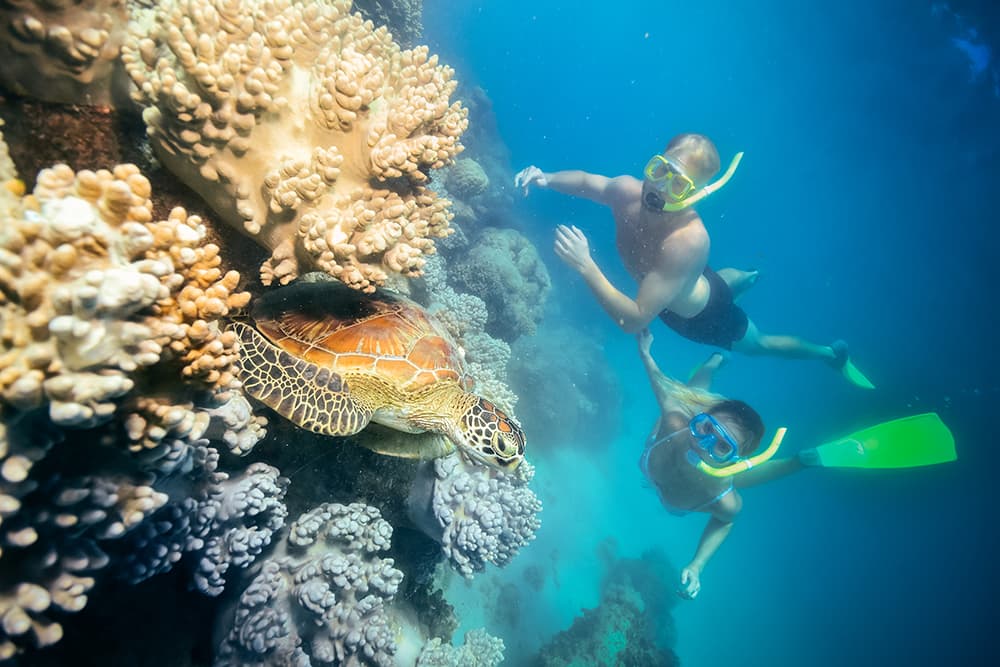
x=332, y=359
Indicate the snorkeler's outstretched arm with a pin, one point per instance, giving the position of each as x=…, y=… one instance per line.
x=573, y=182
x=662, y=385
x=672, y=396
x=716, y=531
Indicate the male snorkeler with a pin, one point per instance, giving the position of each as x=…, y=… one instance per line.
x=665, y=247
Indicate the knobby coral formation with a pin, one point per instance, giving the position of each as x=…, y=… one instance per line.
x=479, y=515
x=322, y=598
x=479, y=650
x=113, y=372
x=326, y=596
x=92, y=291
x=61, y=50
x=304, y=126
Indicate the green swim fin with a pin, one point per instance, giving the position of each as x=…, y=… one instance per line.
x=920, y=440
x=842, y=362
x=851, y=372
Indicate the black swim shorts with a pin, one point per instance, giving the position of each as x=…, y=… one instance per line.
x=720, y=323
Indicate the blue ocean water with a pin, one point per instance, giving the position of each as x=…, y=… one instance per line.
x=871, y=140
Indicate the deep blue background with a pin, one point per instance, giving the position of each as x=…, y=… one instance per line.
x=866, y=199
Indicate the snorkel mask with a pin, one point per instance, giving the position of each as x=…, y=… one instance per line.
x=712, y=437
x=674, y=190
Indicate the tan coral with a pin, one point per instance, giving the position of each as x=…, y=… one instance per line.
x=303, y=126
x=62, y=50
x=92, y=291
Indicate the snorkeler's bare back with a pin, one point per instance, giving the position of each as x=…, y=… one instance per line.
x=655, y=246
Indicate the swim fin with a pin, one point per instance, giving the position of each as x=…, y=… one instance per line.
x=920, y=440
x=843, y=363
x=851, y=372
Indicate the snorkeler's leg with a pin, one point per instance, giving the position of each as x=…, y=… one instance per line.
x=789, y=347
x=739, y=281
x=793, y=347
x=704, y=374
x=768, y=472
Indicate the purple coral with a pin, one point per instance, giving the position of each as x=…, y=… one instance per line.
x=479, y=515
x=322, y=598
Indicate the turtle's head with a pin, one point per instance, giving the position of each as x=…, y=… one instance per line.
x=490, y=436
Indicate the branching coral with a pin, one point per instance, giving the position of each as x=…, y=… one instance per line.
x=305, y=127
x=479, y=650
x=91, y=290
x=218, y=521
x=479, y=515
x=61, y=50
x=111, y=353
x=327, y=597
x=322, y=598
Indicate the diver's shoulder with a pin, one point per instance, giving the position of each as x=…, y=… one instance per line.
x=625, y=185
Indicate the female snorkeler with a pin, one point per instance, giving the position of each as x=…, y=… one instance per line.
x=701, y=447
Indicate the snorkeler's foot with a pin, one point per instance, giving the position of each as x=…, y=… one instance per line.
x=840, y=354
x=716, y=361
x=842, y=362
x=809, y=457
x=704, y=374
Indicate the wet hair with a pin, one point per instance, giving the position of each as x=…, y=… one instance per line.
x=746, y=418
x=698, y=152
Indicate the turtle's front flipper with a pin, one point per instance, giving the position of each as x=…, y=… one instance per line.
x=317, y=399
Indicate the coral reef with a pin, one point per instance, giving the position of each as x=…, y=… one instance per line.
x=631, y=625
x=569, y=393
x=122, y=422
x=62, y=50
x=479, y=515
x=113, y=368
x=503, y=268
x=303, y=126
x=327, y=596
x=322, y=598
x=466, y=179
x=479, y=650
x=464, y=316
x=92, y=290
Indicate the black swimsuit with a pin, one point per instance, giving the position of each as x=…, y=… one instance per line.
x=721, y=322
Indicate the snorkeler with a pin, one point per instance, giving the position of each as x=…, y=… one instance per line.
x=702, y=449
x=664, y=246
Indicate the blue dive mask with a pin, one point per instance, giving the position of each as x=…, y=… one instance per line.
x=713, y=438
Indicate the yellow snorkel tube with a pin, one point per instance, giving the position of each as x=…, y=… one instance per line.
x=688, y=200
x=745, y=464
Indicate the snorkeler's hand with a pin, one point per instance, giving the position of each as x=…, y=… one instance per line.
x=690, y=583
x=645, y=340
x=530, y=175
x=573, y=248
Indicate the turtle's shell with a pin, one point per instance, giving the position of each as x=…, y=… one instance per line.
x=386, y=334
